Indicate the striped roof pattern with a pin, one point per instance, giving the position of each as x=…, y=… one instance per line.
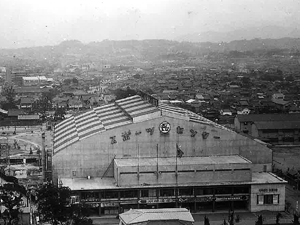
x=119, y=113
x=100, y=119
x=193, y=117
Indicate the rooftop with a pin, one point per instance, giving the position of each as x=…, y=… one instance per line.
x=134, y=216
x=120, y=113
x=234, y=159
x=268, y=117
x=278, y=125
x=97, y=183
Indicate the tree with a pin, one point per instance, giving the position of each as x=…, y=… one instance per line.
x=54, y=206
x=124, y=93
x=60, y=113
x=289, y=78
x=296, y=219
x=75, y=81
x=9, y=93
x=206, y=221
x=11, y=199
x=45, y=102
x=278, y=216
x=259, y=220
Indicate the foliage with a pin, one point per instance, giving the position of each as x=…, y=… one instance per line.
x=124, y=93
x=60, y=113
x=9, y=93
x=45, y=101
x=296, y=219
x=272, y=77
x=74, y=80
x=11, y=199
x=259, y=220
x=289, y=78
x=70, y=81
x=206, y=221
x=54, y=206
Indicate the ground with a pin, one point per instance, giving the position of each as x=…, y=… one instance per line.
x=285, y=158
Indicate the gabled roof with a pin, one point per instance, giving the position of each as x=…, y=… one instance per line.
x=26, y=100
x=134, y=216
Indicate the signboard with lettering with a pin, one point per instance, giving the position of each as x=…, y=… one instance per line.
x=231, y=198
x=109, y=204
x=268, y=190
x=28, y=117
x=204, y=199
x=164, y=127
x=160, y=200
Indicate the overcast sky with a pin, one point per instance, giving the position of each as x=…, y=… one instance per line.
x=25, y=23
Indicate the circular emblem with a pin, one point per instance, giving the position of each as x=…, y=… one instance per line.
x=165, y=127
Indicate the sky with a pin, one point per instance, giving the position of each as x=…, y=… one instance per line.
x=27, y=23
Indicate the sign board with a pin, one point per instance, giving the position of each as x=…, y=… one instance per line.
x=28, y=117
x=109, y=204
x=231, y=198
x=164, y=127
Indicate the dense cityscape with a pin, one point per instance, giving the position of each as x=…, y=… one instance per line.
x=200, y=128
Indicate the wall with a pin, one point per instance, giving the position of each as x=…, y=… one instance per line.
x=267, y=189
x=187, y=174
x=169, y=178
x=92, y=156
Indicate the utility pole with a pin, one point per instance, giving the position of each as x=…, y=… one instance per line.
x=43, y=157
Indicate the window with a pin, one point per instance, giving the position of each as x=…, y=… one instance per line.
x=90, y=196
x=186, y=192
x=268, y=199
x=148, y=193
x=203, y=191
x=241, y=190
x=129, y=194
x=275, y=199
x=166, y=192
x=260, y=199
x=223, y=190
x=110, y=194
x=144, y=193
x=74, y=173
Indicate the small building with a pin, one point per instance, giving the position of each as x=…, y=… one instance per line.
x=26, y=103
x=172, y=216
x=271, y=128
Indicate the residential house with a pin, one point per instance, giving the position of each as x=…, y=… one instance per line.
x=26, y=103
x=294, y=109
x=225, y=112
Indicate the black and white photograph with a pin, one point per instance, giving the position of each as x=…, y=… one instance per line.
x=149, y=112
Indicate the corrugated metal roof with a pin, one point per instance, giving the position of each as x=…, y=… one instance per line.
x=144, y=215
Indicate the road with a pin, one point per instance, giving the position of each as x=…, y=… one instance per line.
x=246, y=218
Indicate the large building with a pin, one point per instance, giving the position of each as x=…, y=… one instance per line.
x=271, y=128
x=138, y=153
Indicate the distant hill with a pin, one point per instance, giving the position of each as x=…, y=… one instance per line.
x=265, y=32
x=138, y=51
